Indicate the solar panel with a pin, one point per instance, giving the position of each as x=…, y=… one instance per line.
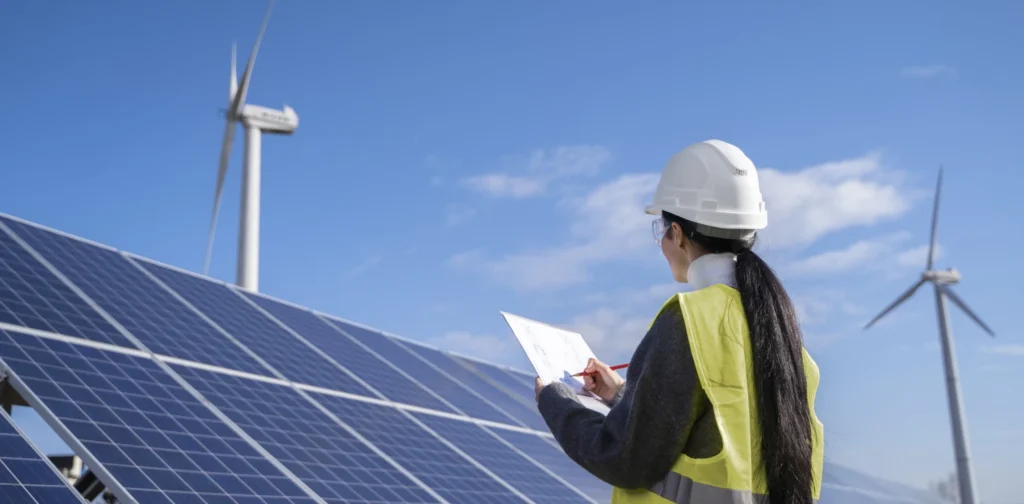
x=514, y=407
x=451, y=391
x=330, y=460
x=146, y=310
x=26, y=477
x=523, y=389
x=260, y=334
x=451, y=475
x=552, y=457
x=213, y=418
x=534, y=482
x=389, y=381
x=144, y=434
x=32, y=296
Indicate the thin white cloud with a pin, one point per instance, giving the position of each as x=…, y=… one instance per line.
x=927, y=71
x=881, y=252
x=532, y=176
x=917, y=256
x=608, y=224
x=1015, y=350
x=845, y=259
x=483, y=346
x=612, y=333
x=803, y=206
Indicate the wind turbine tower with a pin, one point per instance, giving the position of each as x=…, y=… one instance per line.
x=942, y=281
x=256, y=120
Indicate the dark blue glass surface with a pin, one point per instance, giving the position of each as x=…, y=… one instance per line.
x=524, y=475
x=523, y=389
x=33, y=297
x=443, y=470
x=525, y=412
x=558, y=462
x=147, y=310
x=260, y=334
x=147, y=431
x=25, y=476
x=429, y=377
x=327, y=458
x=346, y=352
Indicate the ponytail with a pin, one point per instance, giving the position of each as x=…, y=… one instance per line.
x=779, y=381
x=782, y=407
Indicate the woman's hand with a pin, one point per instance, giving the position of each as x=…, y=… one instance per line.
x=601, y=380
x=537, y=387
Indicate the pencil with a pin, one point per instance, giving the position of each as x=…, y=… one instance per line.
x=615, y=367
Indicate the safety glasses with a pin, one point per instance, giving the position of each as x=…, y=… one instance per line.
x=658, y=228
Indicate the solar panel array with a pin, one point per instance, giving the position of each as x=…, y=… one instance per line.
x=174, y=388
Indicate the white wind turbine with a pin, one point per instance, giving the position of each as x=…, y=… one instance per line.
x=256, y=120
x=942, y=280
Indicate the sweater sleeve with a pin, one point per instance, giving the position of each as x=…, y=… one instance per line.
x=637, y=443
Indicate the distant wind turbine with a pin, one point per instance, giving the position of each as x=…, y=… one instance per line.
x=942, y=280
x=256, y=120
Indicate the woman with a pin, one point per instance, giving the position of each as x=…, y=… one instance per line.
x=718, y=401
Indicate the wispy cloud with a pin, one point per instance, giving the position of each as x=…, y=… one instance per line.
x=853, y=256
x=608, y=224
x=927, y=71
x=808, y=204
x=917, y=256
x=481, y=346
x=532, y=176
x=1015, y=350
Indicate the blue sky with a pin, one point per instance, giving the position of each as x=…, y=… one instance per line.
x=456, y=159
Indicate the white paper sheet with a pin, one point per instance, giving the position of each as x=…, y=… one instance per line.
x=556, y=355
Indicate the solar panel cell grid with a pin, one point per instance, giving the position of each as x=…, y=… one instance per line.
x=142, y=427
x=523, y=391
x=260, y=334
x=328, y=459
x=440, y=468
x=511, y=405
x=364, y=364
x=25, y=476
x=146, y=310
x=529, y=479
x=429, y=377
x=558, y=462
x=33, y=297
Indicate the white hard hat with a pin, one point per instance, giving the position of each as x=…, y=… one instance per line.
x=714, y=184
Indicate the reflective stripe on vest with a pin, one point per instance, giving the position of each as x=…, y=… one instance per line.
x=716, y=328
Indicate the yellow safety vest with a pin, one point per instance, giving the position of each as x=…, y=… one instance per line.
x=717, y=331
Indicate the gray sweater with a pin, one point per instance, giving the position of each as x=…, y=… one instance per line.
x=659, y=413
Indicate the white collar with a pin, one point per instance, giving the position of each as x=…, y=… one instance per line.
x=711, y=269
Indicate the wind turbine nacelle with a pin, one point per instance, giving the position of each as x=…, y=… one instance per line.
x=268, y=120
x=946, y=276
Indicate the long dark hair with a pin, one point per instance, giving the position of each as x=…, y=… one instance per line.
x=783, y=411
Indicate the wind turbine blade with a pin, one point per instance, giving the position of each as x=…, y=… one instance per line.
x=243, y=88
x=903, y=297
x=963, y=306
x=222, y=170
x=233, y=88
x=935, y=221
